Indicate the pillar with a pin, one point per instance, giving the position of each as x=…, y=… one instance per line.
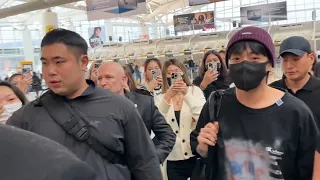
x=28, y=49
x=72, y=27
x=49, y=21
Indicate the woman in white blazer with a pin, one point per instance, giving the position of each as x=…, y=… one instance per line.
x=180, y=103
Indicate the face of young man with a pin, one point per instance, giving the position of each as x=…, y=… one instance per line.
x=296, y=67
x=63, y=71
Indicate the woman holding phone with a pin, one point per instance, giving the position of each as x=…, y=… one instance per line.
x=23, y=83
x=180, y=103
x=93, y=70
x=152, y=76
x=213, y=73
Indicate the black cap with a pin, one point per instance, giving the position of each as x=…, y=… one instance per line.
x=296, y=45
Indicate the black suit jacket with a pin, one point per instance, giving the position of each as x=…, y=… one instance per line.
x=154, y=121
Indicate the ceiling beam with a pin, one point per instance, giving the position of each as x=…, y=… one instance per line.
x=31, y=6
x=71, y=6
x=4, y=3
x=164, y=8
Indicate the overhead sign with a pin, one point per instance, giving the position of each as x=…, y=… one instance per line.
x=199, y=2
x=264, y=12
x=104, y=9
x=194, y=21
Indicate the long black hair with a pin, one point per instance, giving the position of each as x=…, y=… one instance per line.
x=16, y=91
x=223, y=71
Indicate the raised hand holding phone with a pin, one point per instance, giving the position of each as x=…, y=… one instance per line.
x=180, y=86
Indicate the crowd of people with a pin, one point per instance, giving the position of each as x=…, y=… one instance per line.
x=235, y=118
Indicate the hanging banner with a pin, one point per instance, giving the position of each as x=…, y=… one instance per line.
x=199, y=2
x=97, y=36
x=104, y=9
x=262, y=13
x=196, y=21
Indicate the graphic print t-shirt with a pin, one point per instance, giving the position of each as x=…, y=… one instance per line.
x=276, y=142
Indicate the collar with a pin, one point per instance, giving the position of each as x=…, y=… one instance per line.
x=128, y=94
x=311, y=84
x=90, y=88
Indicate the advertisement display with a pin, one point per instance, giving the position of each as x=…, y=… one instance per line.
x=199, y=2
x=262, y=13
x=194, y=21
x=104, y=9
x=97, y=36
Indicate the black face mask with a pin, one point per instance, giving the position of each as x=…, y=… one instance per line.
x=247, y=75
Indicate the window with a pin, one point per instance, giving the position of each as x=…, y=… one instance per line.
x=7, y=34
x=18, y=35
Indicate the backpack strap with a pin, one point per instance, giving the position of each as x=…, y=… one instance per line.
x=214, y=101
x=75, y=125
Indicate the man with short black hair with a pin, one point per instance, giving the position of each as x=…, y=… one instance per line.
x=297, y=60
x=103, y=129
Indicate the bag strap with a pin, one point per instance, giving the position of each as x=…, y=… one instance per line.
x=75, y=125
x=214, y=101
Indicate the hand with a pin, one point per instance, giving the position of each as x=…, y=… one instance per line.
x=159, y=80
x=209, y=77
x=25, y=83
x=154, y=83
x=180, y=86
x=207, y=137
x=170, y=93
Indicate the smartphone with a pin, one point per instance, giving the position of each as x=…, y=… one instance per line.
x=213, y=66
x=155, y=73
x=26, y=71
x=97, y=64
x=175, y=76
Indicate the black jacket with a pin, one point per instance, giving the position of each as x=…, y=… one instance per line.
x=154, y=121
x=276, y=142
x=221, y=83
x=116, y=123
x=317, y=70
x=27, y=156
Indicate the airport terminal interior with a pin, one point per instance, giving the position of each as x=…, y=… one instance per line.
x=162, y=48
x=149, y=32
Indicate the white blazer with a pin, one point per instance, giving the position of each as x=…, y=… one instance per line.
x=191, y=108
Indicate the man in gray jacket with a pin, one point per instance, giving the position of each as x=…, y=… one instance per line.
x=112, y=137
